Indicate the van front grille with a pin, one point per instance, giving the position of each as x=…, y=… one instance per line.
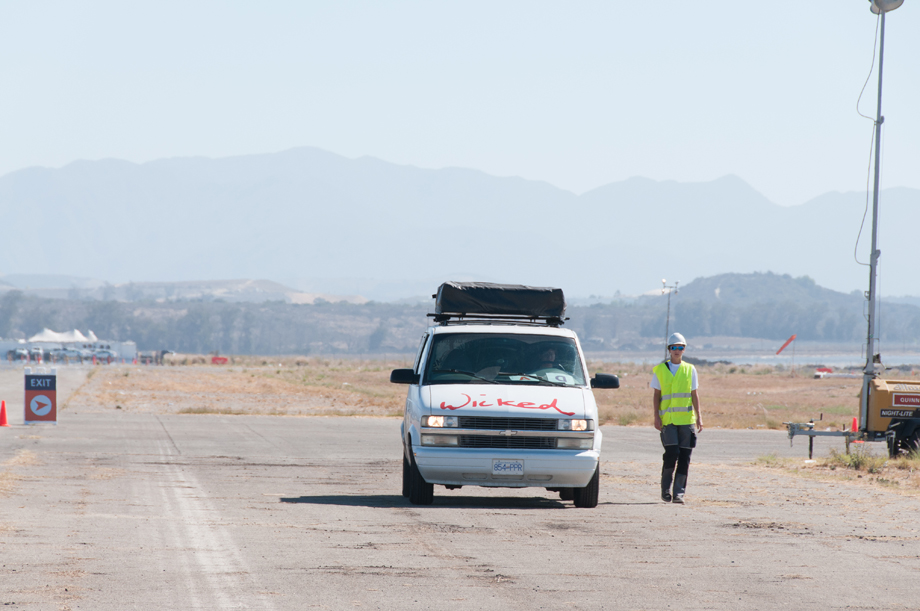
x=510, y=443
x=507, y=424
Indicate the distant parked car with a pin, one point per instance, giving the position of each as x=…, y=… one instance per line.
x=71, y=354
x=18, y=354
x=105, y=355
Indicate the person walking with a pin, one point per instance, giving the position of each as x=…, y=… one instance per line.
x=676, y=408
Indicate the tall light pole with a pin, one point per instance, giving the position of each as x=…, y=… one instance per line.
x=667, y=325
x=879, y=7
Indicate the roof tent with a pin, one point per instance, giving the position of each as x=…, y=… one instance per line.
x=507, y=301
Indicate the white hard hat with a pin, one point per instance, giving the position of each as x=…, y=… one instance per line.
x=677, y=339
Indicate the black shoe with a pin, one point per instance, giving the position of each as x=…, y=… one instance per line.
x=678, y=498
x=665, y=496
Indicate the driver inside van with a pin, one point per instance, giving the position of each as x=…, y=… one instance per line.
x=547, y=359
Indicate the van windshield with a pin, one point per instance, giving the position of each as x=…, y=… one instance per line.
x=498, y=358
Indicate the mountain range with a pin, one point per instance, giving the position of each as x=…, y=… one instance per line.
x=322, y=223
x=231, y=291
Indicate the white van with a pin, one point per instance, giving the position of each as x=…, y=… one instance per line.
x=499, y=396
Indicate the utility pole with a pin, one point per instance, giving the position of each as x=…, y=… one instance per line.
x=667, y=325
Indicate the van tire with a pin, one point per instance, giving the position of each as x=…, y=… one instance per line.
x=566, y=494
x=587, y=497
x=420, y=491
x=405, y=479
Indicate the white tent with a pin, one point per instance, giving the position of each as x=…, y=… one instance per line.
x=47, y=335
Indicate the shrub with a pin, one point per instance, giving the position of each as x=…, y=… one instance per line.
x=859, y=458
x=909, y=462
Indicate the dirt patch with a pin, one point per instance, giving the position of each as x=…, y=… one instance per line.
x=8, y=477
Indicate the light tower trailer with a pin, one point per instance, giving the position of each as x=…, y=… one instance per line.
x=892, y=415
x=889, y=410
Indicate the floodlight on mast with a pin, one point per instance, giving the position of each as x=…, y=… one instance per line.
x=884, y=6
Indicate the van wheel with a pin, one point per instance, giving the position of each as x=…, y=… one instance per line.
x=566, y=494
x=905, y=446
x=587, y=497
x=420, y=491
x=405, y=483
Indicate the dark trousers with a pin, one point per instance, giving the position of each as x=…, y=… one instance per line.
x=680, y=456
x=678, y=442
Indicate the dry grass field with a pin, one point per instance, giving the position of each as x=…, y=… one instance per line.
x=294, y=386
x=732, y=397
x=735, y=397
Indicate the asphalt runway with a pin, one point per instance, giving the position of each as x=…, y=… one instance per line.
x=113, y=510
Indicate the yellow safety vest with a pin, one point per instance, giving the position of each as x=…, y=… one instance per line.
x=676, y=405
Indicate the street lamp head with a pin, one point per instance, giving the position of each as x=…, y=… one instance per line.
x=884, y=6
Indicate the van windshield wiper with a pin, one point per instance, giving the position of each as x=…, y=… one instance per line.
x=466, y=373
x=532, y=378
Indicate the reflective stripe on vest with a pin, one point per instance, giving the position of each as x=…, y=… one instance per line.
x=676, y=405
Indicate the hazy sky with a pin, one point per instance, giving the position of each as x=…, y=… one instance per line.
x=578, y=94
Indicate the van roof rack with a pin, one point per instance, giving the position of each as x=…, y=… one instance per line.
x=485, y=302
x=460, y=318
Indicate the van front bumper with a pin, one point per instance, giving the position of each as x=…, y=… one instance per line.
x=473, y=467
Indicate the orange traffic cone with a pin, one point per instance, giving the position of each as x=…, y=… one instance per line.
x=853, y=429
x=3, y=420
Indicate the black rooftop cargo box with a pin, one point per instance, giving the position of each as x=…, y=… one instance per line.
x=488, y=299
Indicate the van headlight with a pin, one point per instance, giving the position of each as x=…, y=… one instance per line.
x=440, y=422
x=576, y=425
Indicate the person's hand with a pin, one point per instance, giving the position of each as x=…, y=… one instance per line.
x=657, y=423
x=699, y=426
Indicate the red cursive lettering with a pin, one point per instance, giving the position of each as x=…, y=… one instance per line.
x=520, y=404
x=468, y=399
x=555, y=407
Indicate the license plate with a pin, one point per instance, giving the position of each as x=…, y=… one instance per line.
x=507, y=467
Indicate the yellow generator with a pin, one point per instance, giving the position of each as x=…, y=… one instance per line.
x=894, y=413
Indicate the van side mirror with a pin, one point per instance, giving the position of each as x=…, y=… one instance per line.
x=404, y=376
x=605, y=380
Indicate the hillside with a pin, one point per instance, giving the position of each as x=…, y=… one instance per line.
x=762, y=288
x=322, y=223
x=250, y=291
x=772, y=306
x=761, y=306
